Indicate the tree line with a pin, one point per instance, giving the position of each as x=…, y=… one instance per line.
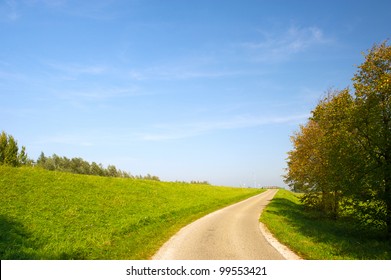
x=11, y=155
x=194, y=182
x=78, y=165
x=341, y=158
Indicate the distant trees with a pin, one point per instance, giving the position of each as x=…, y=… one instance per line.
x=10, y=155
x=9, y=151
x=341, y=158
x=200, y=182
x=195, y=182
x=80, y=166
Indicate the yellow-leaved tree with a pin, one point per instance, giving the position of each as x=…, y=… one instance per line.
x=343, y=154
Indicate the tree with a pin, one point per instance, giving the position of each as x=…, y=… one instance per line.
x=344, y=151
x=112, y=171
x=96, y=169
x=23, y=158
x=41, y=159
x=9, y=151
x=372, y=126
x=307, y=165
x=3, y=146
x=326, y=162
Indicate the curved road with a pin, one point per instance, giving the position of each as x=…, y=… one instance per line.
x=231, y=233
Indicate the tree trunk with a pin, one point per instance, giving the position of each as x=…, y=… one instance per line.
x=336, y=205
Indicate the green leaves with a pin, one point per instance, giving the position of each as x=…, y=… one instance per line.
x=344, y=150
x=9, y=151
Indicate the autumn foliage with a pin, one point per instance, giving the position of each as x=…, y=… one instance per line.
x=341, y=158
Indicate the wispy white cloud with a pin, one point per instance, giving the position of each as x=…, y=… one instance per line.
x=231, y=59
x=95, y=10
x=280, y=46
x=185, y=130
x=9, y=10
x=178, y=73
x=184, y=69
x=100, y=94
x=73, y=70
x=13, y=10
x=10, y=75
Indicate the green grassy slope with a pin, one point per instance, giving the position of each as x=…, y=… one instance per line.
x=317, y=238
x=54, y=215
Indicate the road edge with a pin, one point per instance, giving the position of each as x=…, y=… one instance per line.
x=287, y=253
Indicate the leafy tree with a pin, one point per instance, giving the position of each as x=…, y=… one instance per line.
x=314, y=163
x=23, y=157
x=372, y=122
x=150, y=177
x=307, y=165
x=112, y=171
x=339, y=149
x=3, y=146
x=9, y=151
x=96, y=169
x=41, y=159
x=343, y=153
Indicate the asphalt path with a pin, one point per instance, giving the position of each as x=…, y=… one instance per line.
x=232, y=233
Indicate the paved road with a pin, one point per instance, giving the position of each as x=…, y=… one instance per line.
x=231, y=233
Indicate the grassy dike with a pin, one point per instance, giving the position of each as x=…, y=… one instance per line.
x=316, y=238
x=54, y=215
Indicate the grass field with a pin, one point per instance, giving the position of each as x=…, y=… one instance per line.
x=313, y=237
x=54, y=215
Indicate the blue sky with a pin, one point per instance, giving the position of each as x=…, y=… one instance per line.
x=185, y=90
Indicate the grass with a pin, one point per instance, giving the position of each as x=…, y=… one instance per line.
x=316, y=238
x=54, y=215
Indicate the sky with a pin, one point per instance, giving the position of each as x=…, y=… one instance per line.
x=184, y=90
